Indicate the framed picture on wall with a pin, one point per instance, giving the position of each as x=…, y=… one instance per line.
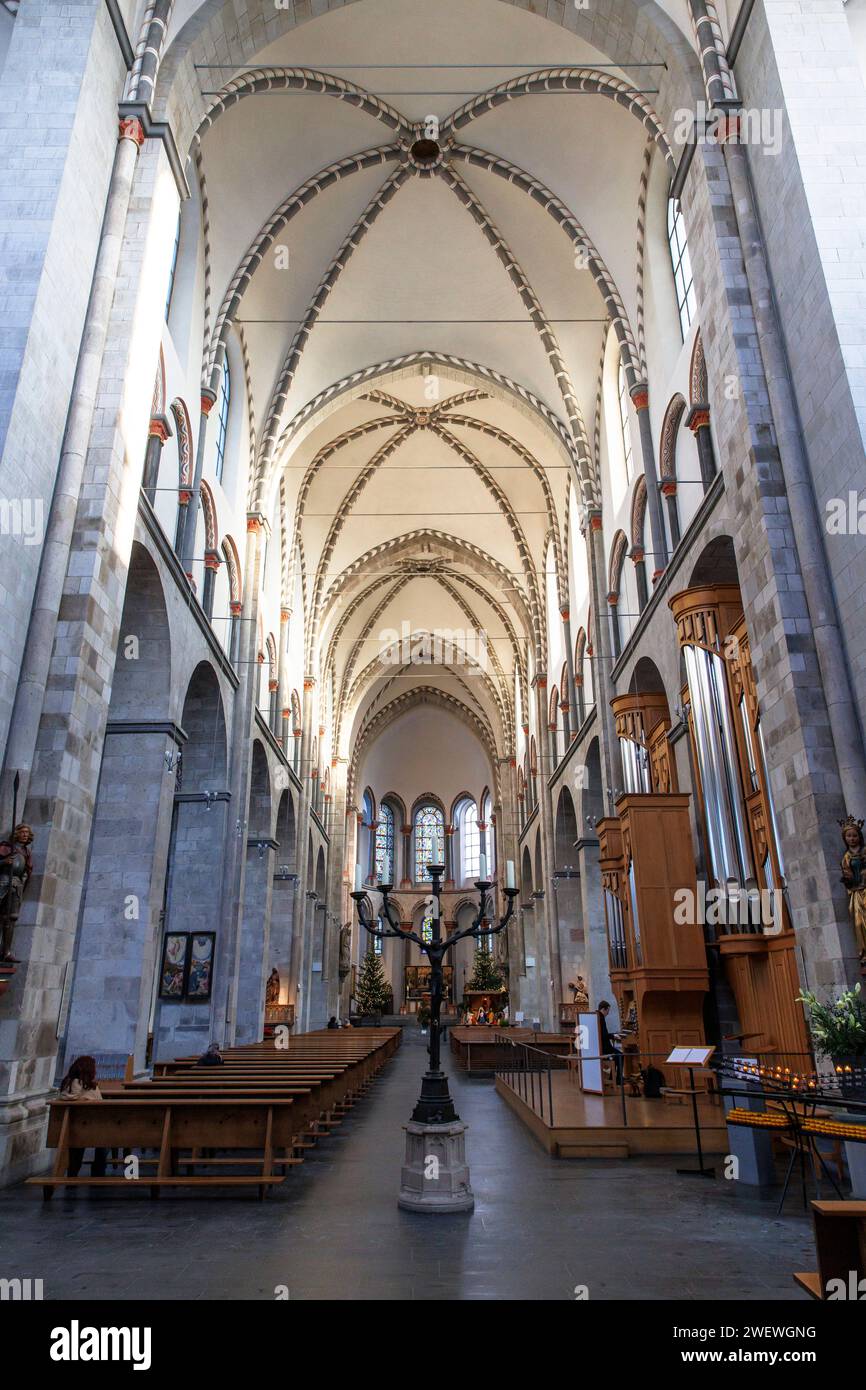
x=172, y=974
x=200, y=972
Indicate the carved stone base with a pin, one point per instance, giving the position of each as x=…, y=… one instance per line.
x=435, y=1175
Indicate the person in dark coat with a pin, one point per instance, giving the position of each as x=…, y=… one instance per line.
x=608, y=1040
x=212, y=1057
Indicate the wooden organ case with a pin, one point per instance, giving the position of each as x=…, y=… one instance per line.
x=658, y=965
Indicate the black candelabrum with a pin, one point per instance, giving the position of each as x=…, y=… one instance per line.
x=435, y=1106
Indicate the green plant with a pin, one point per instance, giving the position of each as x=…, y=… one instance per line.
x=372, y=992
x=485, y=972
x=838, y=1028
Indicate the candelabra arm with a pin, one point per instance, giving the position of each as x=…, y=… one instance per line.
x=366, y=920
x=475, y=929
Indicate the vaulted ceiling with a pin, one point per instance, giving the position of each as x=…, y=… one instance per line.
x=424, y=264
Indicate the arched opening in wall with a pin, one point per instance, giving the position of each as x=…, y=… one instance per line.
x=566, y=886
x=553, y=726
x=319, y=962
x=111, y=1001
x=668, y=465
x=183, y=479
x=283, y=899
x=618, y=620
x=428, y=821
x=698, y=418
x=638, y=549
x=716, y=564
x=642, y=720
x=582, y=677
x=192, y=964
x=258, y=889
x=367, y=831
x=592, y=792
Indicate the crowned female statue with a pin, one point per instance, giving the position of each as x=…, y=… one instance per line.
x=853, y=865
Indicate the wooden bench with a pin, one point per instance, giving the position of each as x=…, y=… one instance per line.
x=840, y=1242
x=262, y=1108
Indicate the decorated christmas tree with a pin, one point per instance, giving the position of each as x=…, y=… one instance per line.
x=372, y=992
x=485, y=972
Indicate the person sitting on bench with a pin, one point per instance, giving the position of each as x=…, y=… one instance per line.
x=609, y=1040
x=79, y=1084
x=332, y=1022
x=211, y=1058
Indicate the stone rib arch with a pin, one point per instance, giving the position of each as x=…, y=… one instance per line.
x=283, y=214
x=282, y=386
x=311, y=80
x=561, y=214
x=563, y=80
x=421, y=363
x=668, y=443
x=417, y=696
x=533, y=307
x=473, y=555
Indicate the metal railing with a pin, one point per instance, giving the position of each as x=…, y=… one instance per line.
x=528, y=1071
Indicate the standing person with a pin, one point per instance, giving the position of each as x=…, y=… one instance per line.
x=609, y=1040
x=79, y=1084
x=211, y=1058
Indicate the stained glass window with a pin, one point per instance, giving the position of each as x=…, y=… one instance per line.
x=429, y=841
x=385, y=845
x=427, y=927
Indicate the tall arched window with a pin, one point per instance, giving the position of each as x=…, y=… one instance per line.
x=385, y=844
x=682, y=266
x=429, y=840
x=223, y=420
x=622, y=386
x=470, y=842
x=173, y=271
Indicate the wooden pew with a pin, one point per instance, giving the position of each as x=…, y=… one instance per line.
x=261, y=1108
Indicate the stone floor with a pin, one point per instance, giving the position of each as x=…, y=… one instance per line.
x=541, y=1226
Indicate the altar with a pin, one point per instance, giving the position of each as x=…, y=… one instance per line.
x=416, y=993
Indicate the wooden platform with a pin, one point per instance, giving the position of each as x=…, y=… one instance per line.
x=591, y=1126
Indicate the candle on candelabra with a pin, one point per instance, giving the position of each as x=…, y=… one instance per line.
x=509, y=874
x=359, y=880
x=386, y=870
x=482, y=868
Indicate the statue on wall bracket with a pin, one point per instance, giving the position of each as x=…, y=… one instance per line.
x=853, y=864
x=16, y=866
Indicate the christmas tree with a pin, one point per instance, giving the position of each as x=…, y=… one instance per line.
x=485, y=972
x=372, y=992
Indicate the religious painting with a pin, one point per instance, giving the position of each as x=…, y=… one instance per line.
x=173, y=970
x=200, y=974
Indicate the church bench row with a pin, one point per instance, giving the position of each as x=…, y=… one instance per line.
x=266, y=1107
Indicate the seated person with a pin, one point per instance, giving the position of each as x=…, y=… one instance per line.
x=609, y=1040
x=332, y=1022
x=212, y=1057
x=79, y=1084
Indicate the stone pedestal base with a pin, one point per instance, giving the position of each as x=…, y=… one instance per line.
x=435, y=1175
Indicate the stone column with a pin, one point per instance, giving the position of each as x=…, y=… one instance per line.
x=595, y=928
x=187, y=527
x=449, y=857
x=547, y=935
x=255, y=935
x=602, y=662
x=283, y=732
x=573, y=722
x=158, y=432
x=637, y=556
x=119, y=932
x=698, y=421
x=406, y=836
